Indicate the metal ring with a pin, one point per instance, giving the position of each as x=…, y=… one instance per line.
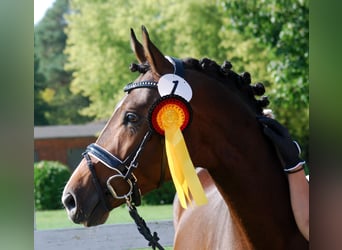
x=111, y=189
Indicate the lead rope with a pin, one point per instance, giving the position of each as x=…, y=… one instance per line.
x=143, y=228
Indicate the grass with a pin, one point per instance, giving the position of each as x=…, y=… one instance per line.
x=53, y=219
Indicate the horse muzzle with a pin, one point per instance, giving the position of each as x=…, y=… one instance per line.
x=92, y=212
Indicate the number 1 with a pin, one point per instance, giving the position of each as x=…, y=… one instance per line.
x=174, y=87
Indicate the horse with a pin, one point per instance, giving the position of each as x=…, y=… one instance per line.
x=224, y=137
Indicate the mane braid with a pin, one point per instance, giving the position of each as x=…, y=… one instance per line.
x=225, y=75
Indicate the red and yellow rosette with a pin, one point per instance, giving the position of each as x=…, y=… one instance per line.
x=170, y=115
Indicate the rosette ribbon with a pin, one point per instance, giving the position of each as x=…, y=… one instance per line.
x=169, y=117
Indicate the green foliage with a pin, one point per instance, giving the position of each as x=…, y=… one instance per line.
x=163, y=195
x=50, y=178
x=282, y=28
x=98, y=42
x=50, y=42
x=39, y=104
x=59, y=106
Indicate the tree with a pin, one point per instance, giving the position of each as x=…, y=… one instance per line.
x=39, y=104
x=98, y=41
x=282, y=27
x=60, y=106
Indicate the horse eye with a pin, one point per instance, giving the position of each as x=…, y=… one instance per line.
x=131, y=117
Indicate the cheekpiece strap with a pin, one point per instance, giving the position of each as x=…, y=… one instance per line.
x=143, y=84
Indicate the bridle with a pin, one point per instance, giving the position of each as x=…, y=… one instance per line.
x=124, y=169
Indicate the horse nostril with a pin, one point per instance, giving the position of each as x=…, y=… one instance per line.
x=69, y=202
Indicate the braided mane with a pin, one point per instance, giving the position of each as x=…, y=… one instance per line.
x=225, y=75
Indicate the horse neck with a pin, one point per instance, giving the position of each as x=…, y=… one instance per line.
x=247, y=173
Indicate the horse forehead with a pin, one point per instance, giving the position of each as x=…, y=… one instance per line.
x=135, y=99
x=140, y=98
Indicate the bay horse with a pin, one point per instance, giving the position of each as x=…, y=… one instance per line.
x=224, y=137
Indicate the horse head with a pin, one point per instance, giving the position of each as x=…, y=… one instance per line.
x=125, y=148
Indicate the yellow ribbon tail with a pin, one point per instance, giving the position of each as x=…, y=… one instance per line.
x=182, y=169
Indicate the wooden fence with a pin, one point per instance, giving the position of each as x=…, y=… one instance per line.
x=103, y=237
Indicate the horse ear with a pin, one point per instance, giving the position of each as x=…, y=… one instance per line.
x=159, y=64
x=137, y=48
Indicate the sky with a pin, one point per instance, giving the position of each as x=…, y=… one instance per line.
x=40, y=7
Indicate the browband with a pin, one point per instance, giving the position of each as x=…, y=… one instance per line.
x=143, y=84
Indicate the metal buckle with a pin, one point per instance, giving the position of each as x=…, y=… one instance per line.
x=114, y=193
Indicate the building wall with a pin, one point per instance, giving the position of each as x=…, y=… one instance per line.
x=65, y=150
